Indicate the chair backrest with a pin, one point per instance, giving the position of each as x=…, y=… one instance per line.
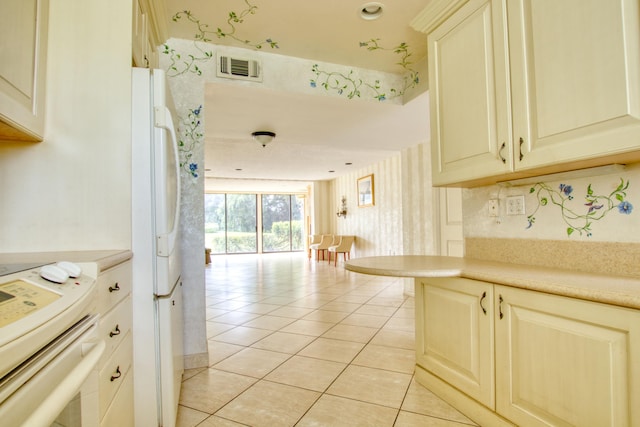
x=326, y=241
x=315, y=238
x=345, y=243
x=336, y=240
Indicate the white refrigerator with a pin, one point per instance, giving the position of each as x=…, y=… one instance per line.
x=157, y=287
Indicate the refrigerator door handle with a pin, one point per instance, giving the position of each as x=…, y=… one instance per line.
x=166, y=242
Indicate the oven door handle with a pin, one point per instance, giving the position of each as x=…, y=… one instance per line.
x=66, y=389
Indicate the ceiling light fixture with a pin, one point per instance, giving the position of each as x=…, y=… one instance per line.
x=371, y=11
x=263, y=137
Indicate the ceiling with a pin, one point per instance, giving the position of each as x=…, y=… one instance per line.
x=316, y=136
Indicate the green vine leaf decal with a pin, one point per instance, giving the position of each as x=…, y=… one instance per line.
x=598, y=206
x=351, y=87
x=204, y=34
x=191, y=136
x=189, y=64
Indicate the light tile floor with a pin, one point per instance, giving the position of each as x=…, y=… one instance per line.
x=294, y=342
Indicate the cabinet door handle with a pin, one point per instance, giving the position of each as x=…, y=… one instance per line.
x=500, y=300
x=117, y=374
x=521, y=142
x=114, y=288
x=502, y=147
x=484, y=295
x=115, y=332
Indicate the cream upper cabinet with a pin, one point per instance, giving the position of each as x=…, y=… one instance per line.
x=149, y=31
x=565, y=362
x=23, y=29
x=575, y=78
x=455, y=337
x=524, y=87
x=469, y=94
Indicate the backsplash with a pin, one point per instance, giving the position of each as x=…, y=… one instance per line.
x=616, y=259
x=597, y=208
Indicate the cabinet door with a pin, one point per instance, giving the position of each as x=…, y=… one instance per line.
x=566, y=362
x=454, y=334
x=468, y=81
x=23, y=29
x=575, y=70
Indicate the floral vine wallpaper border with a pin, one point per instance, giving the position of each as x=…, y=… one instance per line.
x=192, y=135
x=348, y=85
x=191, y=126
x=180, y=65
x=597, y=206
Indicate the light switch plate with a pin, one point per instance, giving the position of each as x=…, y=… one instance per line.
x=515, y=205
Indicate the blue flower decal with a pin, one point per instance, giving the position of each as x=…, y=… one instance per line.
x=625, y=207
x=566, y=190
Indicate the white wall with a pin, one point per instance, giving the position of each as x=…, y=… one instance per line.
x=72, y=191
x=378, y=228
x=402, y=218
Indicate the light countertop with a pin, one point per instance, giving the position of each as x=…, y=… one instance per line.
x=616, y=290
x=104, y=259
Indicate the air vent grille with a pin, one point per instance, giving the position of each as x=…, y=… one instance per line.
x=237, y=68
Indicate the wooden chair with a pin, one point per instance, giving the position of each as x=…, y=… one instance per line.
x=344, y=248
x=325, y=242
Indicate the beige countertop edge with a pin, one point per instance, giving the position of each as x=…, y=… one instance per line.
x=616, y=290
x=105, y=259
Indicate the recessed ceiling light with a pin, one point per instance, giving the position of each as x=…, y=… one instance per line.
x=371, y=11
x=238, y=169
x=331, y=171
x=348, y=163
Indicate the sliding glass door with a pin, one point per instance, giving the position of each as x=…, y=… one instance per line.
x=232, y=222
x=282, y=225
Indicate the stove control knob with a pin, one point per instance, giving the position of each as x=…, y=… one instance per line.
x=53, y=274
x=73, y=270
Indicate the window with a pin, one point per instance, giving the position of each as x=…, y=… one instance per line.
x=231, y=223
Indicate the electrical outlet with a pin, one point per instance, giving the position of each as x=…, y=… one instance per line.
x=515, y=205
x=494, y=207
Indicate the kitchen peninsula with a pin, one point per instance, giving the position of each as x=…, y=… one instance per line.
x=513, y=344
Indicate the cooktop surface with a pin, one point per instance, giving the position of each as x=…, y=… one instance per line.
x=6, y=269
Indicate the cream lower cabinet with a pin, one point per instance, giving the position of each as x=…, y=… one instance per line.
x=455, y=341
x=115, y=387
x=532, y=359
x=566, y=362
x=526, y=87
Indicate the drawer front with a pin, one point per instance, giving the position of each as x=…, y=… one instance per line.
x=120, y=412
x=115, y=326
x=113, y=286
x=114, y=372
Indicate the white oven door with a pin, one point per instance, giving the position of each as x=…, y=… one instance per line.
x=59, y=384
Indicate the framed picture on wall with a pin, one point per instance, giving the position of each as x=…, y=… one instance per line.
x=366, y=195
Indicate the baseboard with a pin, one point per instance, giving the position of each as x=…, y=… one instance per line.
x=192, y=361
x=473, y=410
